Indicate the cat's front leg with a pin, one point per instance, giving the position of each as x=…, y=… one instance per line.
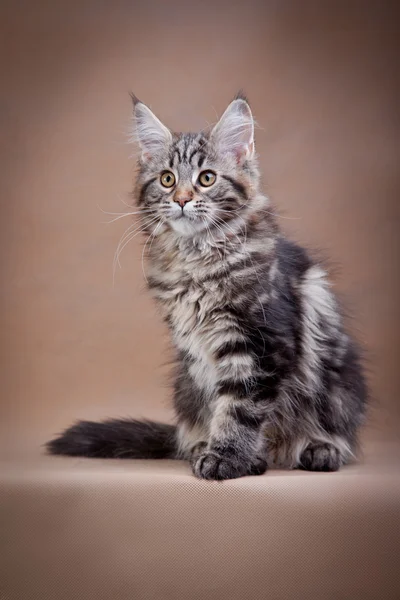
x=236, y=445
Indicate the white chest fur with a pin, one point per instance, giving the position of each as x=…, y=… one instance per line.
x=195, y=330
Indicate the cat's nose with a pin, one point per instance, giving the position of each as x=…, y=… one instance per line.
x=183, y=198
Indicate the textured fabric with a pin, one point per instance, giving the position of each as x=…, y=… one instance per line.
x=101, y=530
x=323, y=82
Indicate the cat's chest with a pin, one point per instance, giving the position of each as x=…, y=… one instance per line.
x=191, y=315
x=192, y=311
x=194, y=334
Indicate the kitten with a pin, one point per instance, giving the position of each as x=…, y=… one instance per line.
x=266, y=374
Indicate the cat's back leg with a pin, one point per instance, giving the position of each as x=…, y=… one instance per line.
x=323, y=456
x=315, y=451
x=318, y=434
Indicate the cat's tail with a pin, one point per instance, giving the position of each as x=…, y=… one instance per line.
x=117, y=438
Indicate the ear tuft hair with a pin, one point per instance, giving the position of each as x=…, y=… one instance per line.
x=135, y=99
x=241, y=96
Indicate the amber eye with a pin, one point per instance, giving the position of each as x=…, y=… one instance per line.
x=167, y=179
x=207, y=178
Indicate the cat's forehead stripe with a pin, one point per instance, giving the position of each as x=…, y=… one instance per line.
x=186, y=148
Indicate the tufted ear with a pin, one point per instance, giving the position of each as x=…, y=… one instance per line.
x=234, y=132
x=151, y=134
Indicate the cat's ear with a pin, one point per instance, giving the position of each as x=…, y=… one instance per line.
x=151, y=134
x=234, y=132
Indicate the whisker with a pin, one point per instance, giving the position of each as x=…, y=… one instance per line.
x=123, y=201
x=267, y=212
x=152, y=236
x=127, y=236
x=122, y=215
x=131, y=234
x=127, y=232
x=280, y=216
x=137, y=212
x=214, y=222
x=210, y=234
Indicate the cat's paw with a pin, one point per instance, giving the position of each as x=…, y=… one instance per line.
x=211, y=465
x=320, y=457
x=258, y=466
x=214, y=466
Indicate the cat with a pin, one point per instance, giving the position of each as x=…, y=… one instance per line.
x=266, y=374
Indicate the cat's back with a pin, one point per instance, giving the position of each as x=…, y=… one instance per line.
x=292, y=260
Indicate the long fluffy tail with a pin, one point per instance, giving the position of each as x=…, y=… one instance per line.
x=116, y=438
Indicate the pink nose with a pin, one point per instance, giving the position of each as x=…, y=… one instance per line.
x=182, y=200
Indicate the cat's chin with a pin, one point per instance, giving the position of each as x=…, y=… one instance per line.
x=188, y=227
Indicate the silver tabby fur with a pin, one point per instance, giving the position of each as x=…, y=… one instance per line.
x=266, y=373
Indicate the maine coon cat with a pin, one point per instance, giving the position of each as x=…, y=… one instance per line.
x=266, y=373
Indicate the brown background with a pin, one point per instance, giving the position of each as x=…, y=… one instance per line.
x=323, y=80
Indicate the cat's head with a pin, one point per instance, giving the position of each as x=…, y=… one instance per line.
x=194, y=183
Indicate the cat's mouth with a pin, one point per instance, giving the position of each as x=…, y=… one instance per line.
x=186, y=223
x=189, y=216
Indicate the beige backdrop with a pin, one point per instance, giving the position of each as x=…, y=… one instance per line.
x=323, y=84
x=323, y=81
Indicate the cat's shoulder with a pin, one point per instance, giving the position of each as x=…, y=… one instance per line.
x=293, y=259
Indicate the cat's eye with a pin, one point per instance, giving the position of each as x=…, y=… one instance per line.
x=207, y=178
x=167, y=179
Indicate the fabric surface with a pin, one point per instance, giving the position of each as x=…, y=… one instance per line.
x=100, y=530
x=78, y=342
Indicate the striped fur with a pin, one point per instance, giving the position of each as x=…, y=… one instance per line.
x=265, y=371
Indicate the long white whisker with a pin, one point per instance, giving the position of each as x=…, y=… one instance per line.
x=214, y=240
x=264, y=210
x=138, y=212
x=123, y=201
x=131, y=235
x=126, y=233
x=214, y=222
x=153, y=235
x=127, y=236
x=121, y=216
x=231, y=230
x=210, y=234
x=279, y=216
